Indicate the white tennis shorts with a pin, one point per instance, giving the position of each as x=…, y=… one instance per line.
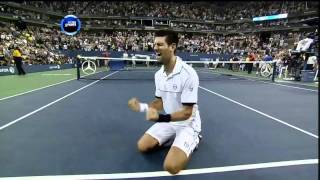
x=183, y=137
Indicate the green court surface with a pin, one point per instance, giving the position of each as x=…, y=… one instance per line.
x=14, y=84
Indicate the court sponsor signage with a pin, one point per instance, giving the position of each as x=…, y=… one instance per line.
x=5, y=70
x=54, y=67
x=10, y=70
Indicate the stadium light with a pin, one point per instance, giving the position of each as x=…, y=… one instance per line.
x=273, y=17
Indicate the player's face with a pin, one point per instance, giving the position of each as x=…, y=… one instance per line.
x=164, y=52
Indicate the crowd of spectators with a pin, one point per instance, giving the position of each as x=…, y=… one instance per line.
x=40, y=44
x=31, y=42
x=204, y=11
x=43, y=45
x=25, y=14
x=194, y=11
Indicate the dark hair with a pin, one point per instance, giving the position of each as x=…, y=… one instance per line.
x=171, y=36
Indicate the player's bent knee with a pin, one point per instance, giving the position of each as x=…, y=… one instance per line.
x=175, y=161
x=142, y=146
x=172, y=168
x=147, y=143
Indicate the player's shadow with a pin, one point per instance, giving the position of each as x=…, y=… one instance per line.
x=157, y=155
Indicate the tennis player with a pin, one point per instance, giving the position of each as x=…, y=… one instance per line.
x=177, y=94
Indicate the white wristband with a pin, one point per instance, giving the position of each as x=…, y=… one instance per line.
x=143, y=107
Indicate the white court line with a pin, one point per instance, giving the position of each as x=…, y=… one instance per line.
x=295, y=87
x=19, y=94
x=56, y=74
x=311, y=84
x=277, y=84
x=259, y=112
x=53, y=102
x=164, y=173
x=289, y=86
x=35, y=89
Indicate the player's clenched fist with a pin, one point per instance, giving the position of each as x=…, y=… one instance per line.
x=152, y=114
x=134, y=104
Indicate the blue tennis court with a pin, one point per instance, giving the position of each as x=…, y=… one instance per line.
x=83, y=129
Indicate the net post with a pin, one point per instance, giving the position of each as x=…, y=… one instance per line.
x=78, y=67
x=274, y=64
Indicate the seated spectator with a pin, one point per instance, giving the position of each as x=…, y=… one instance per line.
x=267, y=57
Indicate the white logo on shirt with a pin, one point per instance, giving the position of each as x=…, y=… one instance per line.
x=186, y=145
x=174, y=86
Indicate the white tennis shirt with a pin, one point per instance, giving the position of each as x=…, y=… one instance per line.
x=180, y=86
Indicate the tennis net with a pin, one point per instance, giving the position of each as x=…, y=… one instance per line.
x=143, y=69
